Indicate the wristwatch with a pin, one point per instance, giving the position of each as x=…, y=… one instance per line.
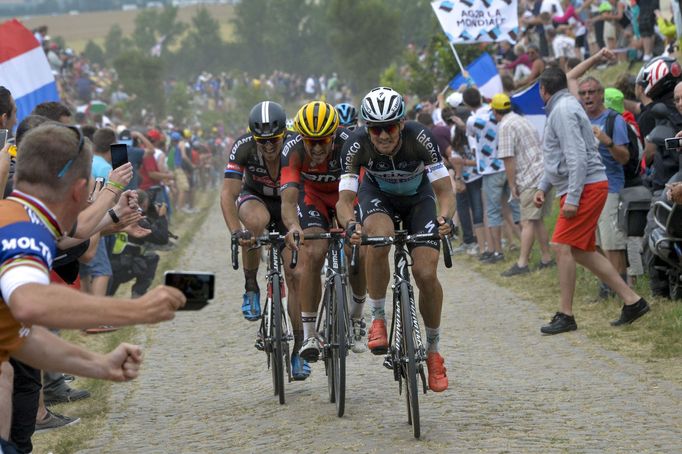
x=113, y=215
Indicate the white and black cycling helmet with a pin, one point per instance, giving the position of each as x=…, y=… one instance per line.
x=382, y=105
x=267, y=119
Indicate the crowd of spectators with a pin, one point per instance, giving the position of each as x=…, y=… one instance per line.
x=116, y=239
x=568, y=31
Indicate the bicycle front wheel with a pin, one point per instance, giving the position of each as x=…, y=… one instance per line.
x=279, y=344
x=409, y=364
x=339, y=346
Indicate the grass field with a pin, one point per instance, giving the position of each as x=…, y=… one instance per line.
x=78, y=29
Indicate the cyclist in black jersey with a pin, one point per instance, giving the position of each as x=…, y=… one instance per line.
x=250, y=194
x=404, y=177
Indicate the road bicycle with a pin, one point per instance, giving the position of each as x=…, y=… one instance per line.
x=333, y=319
x=275, y=330
x=406, y=353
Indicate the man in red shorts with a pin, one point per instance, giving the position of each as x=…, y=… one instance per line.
x=574, y=168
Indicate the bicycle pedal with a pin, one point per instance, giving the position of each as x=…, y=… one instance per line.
x=388, y=362
x=260, y=345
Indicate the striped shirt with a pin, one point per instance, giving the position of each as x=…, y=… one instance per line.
x=516, y=137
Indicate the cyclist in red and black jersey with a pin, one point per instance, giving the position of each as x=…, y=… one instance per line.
x=311, y=170
x=250, y=194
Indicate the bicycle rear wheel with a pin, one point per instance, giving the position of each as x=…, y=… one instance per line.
x=339, y=345
x=278, y=342
x=410, y=369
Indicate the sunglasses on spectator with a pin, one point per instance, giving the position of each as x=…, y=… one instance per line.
x=81, y=142
x=312, y=141
x=264, y=140
x=587, y=92
x=377, y=130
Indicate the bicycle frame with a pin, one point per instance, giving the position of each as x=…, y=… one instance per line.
x=274, y=269
x=401, y=279
x=336, y=266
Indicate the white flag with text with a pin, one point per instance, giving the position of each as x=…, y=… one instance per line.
x=477, y=21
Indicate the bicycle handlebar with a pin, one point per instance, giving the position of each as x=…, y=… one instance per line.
x=294, y=253
x=354, y=259
x=402, y=237
x=235, y=253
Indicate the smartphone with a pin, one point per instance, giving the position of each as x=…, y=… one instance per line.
x=197, y=287
x=119, y=154
x=3, y=137
x=673, y=143
x=99, y=184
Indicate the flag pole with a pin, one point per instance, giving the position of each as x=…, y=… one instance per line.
x=459, y=62
x=454, y=51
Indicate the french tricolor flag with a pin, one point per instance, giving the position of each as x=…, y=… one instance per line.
x=24, y=69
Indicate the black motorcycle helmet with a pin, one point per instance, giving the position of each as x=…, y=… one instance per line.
x=267, y=119
x=659, y=77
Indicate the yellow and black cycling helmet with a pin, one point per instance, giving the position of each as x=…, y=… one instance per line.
x=316, y=119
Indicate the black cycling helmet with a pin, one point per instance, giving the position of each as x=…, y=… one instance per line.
x=267, y=119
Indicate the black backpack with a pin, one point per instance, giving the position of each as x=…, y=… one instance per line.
x=632, y=168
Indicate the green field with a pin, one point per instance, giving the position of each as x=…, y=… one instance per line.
x=79, y=28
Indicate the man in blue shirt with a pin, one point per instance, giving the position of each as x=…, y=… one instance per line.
x=614, y=154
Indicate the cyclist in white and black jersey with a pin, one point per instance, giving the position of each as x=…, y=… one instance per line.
x=404, y=177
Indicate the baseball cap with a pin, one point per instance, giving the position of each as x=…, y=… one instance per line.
x=605, y=7
x=613, y=99
x=154, y=134
x=500, y=102
x=454, y=99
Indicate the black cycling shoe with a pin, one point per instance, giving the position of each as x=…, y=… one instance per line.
x=560, y=323
x=632, y=312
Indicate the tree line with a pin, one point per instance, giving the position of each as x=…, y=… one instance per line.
x=364, y=41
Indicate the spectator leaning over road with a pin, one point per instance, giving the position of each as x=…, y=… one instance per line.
x=519, y=147
x=130, y=259
x=573, y=166
x=96, y=273
x=43, y=206
x=482, y=132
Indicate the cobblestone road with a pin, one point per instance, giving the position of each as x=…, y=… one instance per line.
x=205, y=389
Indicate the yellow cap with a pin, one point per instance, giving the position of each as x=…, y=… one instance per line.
x=500, y=102
x=12, y=150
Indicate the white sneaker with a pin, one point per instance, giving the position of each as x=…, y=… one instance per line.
x=359, y=335
x=473, y=250
x=310, y=350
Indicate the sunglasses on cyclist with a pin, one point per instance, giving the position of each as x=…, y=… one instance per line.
x=312, y=141
x=264, y=140
x=378, y=129
x=81, y=142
